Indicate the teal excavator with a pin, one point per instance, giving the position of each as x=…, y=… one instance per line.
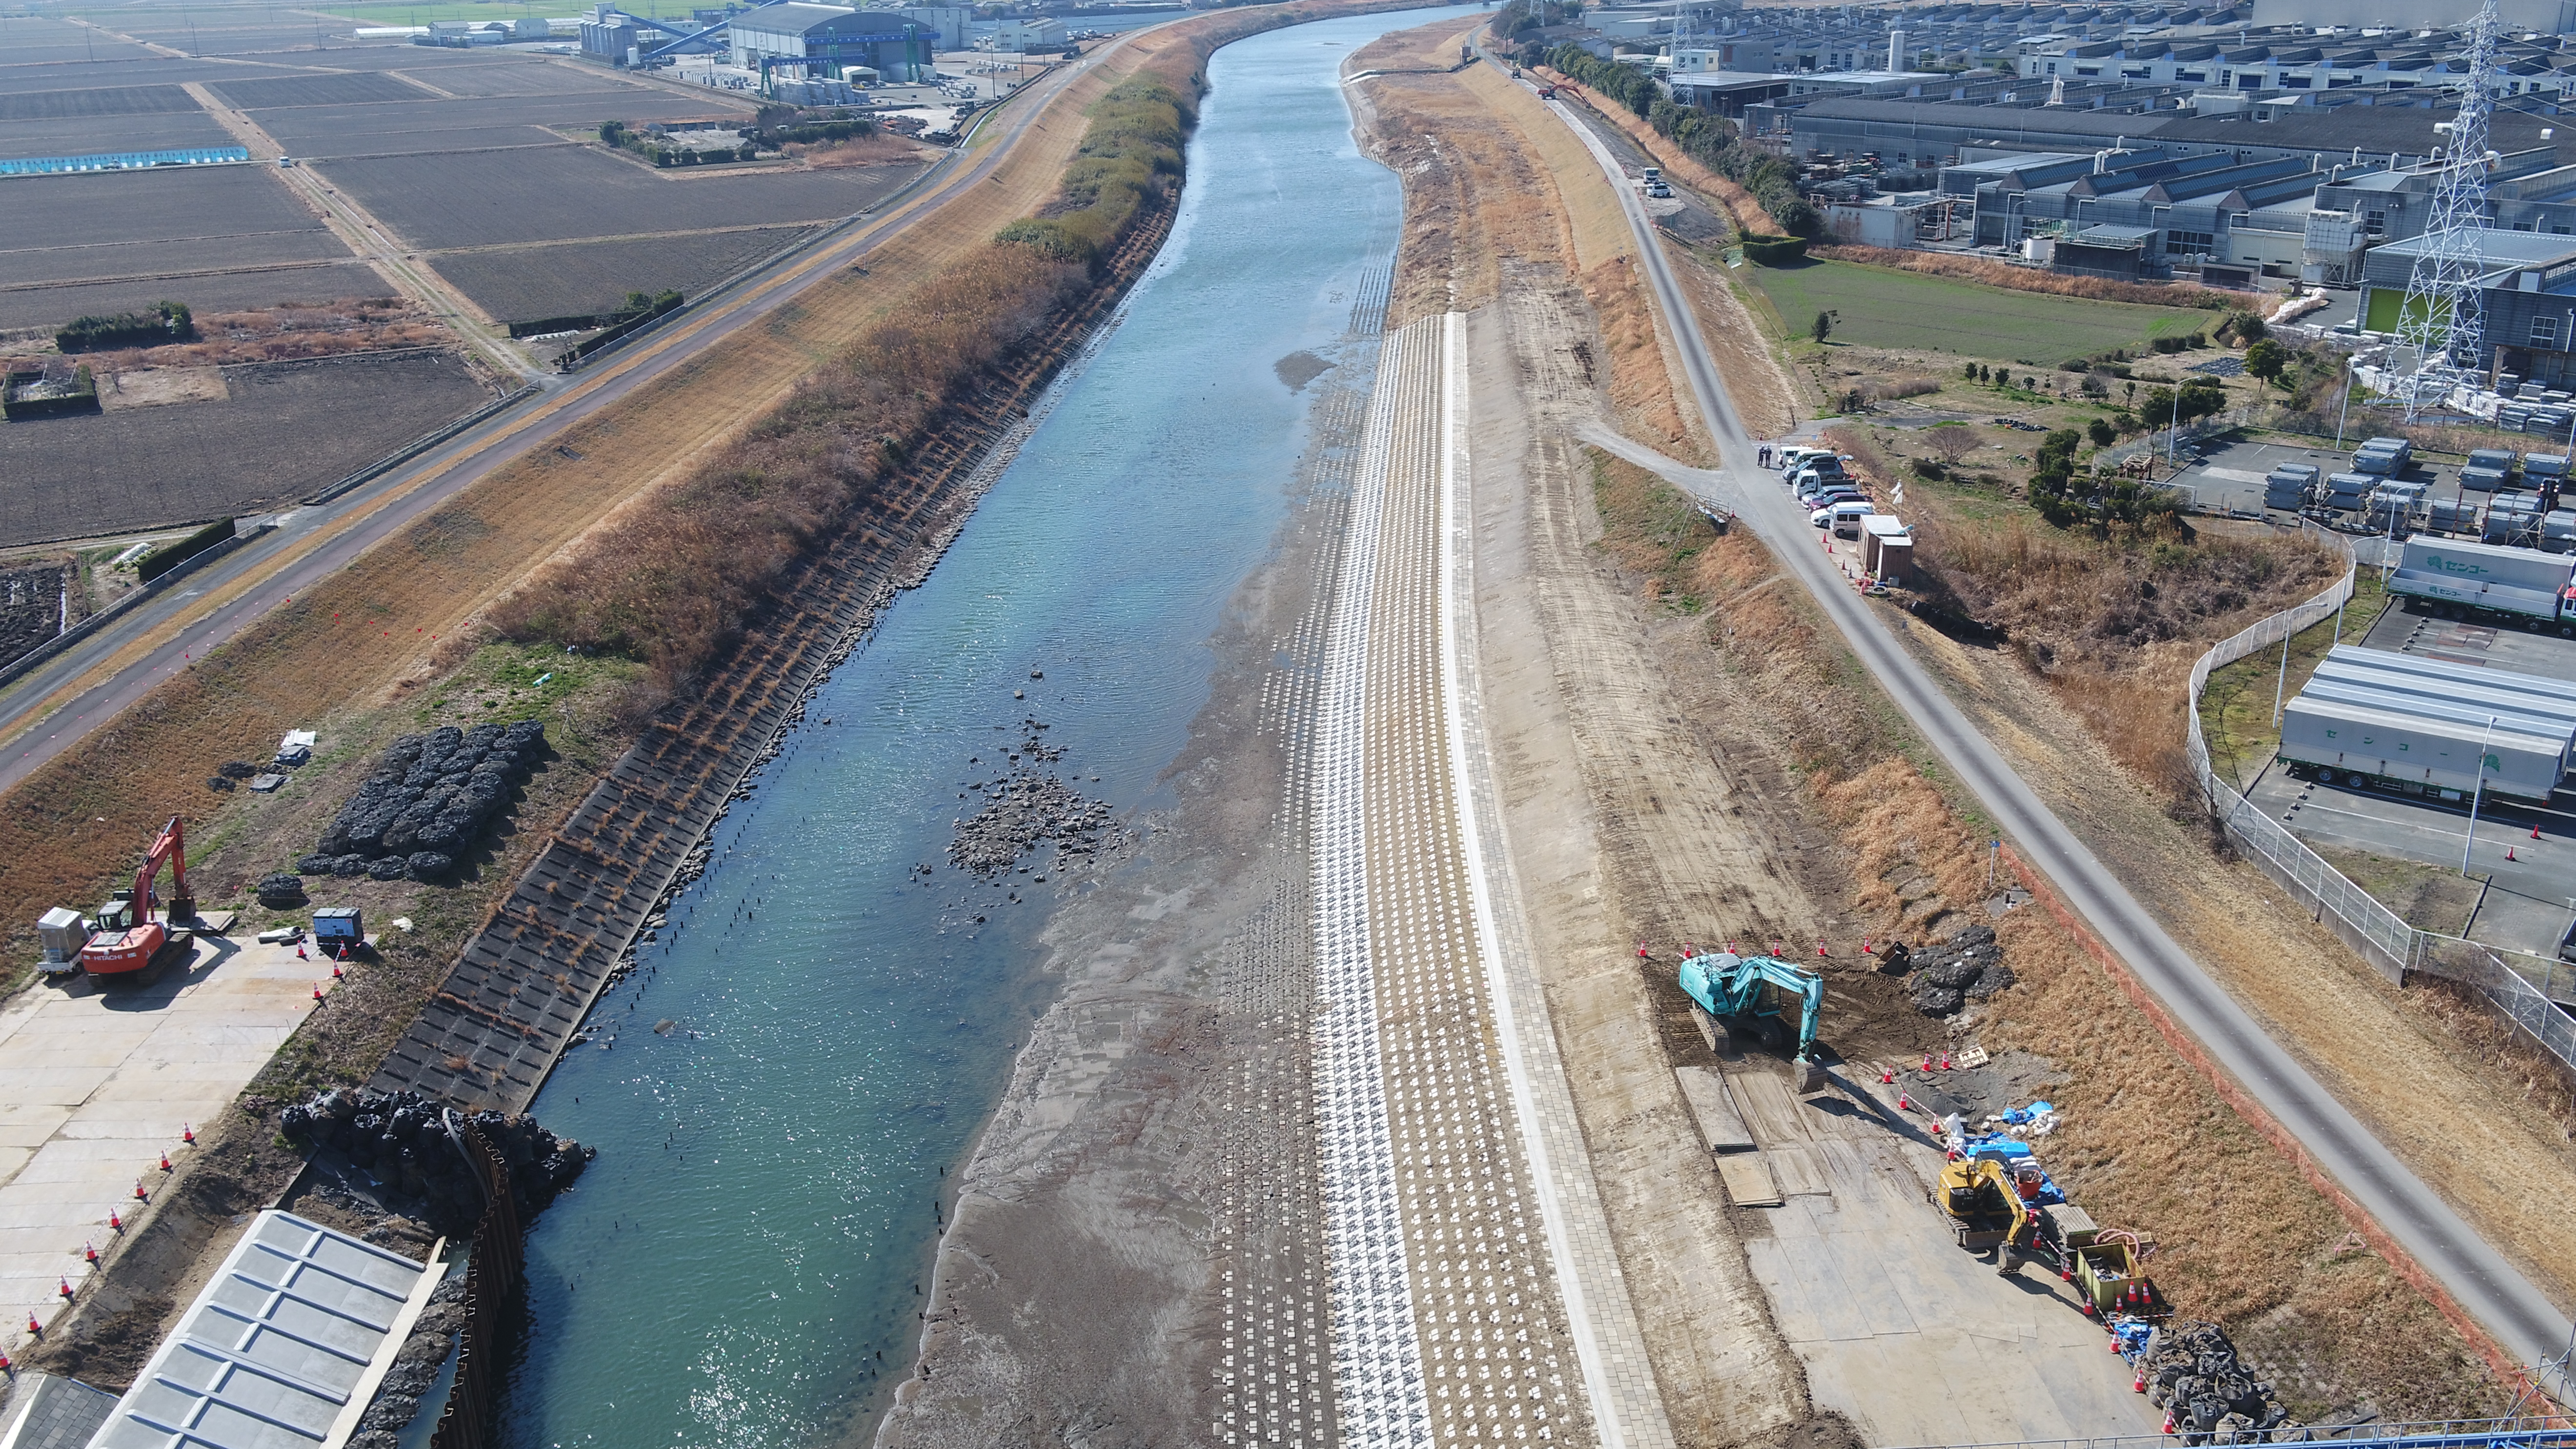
x=1759, y=989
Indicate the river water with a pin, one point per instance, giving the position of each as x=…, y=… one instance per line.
x=833, y=1031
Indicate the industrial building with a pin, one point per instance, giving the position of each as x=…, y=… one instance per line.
x=2528, y=294
x=1044, y=35
x=2422, y=725
x=798, y=38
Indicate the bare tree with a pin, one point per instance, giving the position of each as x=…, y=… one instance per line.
x=1951, y=442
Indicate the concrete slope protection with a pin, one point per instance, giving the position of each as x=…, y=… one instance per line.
x=2522, y=1320
x=310, y=544
x=1455, y=1174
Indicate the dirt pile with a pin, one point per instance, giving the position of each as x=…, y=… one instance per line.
x=1942, y=977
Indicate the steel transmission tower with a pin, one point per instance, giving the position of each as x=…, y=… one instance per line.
x=2442, y=319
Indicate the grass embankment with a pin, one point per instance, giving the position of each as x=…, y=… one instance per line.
x=2236, y=709
x=670, y=580
x=2147, y=1143
x=2030, y=279
x=1885, y=308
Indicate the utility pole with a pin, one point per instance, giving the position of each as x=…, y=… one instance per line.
x=2349, y=363
x=2283, y=683
x=2476, y=794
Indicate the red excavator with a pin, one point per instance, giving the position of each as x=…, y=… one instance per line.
x=130, y=943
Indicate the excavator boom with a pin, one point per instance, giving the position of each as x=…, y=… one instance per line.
x=1725, y=984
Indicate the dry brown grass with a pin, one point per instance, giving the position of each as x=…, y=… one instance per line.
x=669, y=578
x=2027, y=279
x=2112, y=626
x=285, y=333
x=2149, y=1143
x=882, y=148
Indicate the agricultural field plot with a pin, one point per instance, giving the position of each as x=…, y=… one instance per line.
x=532, y=78
x=420, y=143
x=398, y=14
x=26, y=40
x=361, y=55
x=51, y=305
x=210, y=36
x=352, y=129
x=210, y=236
x=1908, y=310
x=102, y=209
x=441, y=202
x=118, y=64
x=287, y=430
x=103, y=135
x=179, y=258
x=101, y=101
x=524, y=283
x=352, y=89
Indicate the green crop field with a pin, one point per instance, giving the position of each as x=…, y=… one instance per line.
x=1909, y=310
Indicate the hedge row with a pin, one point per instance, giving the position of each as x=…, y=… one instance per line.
x=1132, y=145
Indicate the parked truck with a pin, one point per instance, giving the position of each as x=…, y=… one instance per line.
x=2459, y=579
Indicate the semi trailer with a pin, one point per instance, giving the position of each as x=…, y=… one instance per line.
x=2460, y=579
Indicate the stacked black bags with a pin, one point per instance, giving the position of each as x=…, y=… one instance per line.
x=431, y=797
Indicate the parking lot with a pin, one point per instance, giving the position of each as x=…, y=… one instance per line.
x=2529, y=853
x=2230, y=475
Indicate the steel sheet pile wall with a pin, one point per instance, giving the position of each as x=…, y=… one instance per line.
x=470, y=1420
x=2379, y=934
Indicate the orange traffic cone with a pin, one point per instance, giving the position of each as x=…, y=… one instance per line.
x=317, y=994
x=139, y=1194
x=2535, y=832
x=1887, y=1076
x=89, y=1253
x=1945, y=1061
x=187, y=1134
x=2140, y=1386
x=335, y=973
x=2508, y=853
x=1641, y=950
x=114, y=1225
x=165, y=1162
x=1904, y=1103
x=1864, y=946
x=1927, y=1062
x=1820, y=948
x=34, y=1329
x=64, y=1287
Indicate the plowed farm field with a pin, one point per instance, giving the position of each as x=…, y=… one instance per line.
x=440, y=201
x=287, y=430
x=565, y=279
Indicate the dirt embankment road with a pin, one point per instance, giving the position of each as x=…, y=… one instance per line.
x=2268, y=1081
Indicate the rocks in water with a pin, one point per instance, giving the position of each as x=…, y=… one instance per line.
x=431, y=794
x=401, y=1140
x=280, y=892
x=1025, y=806
x=1948, y=974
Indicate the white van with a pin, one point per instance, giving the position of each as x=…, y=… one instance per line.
x=1843, y=518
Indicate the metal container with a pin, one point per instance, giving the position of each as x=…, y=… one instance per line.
x=2481, y=575
x=2433, y=756
x=2537, y=466
x=62, y=933
x=2482, y=480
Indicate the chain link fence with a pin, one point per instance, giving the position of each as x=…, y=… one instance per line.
x=2378, y=933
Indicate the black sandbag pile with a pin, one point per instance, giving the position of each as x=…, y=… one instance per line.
x=400, y=1139
x=2193, y=1373
x=1948, y=974
x=430, y=798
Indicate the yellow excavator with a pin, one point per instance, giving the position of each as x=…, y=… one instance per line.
x=1987, y=1212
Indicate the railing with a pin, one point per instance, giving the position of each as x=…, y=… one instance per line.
x=2378, y=933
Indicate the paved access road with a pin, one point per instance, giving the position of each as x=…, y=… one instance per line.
x=310, y=544
x=2521, y=1319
